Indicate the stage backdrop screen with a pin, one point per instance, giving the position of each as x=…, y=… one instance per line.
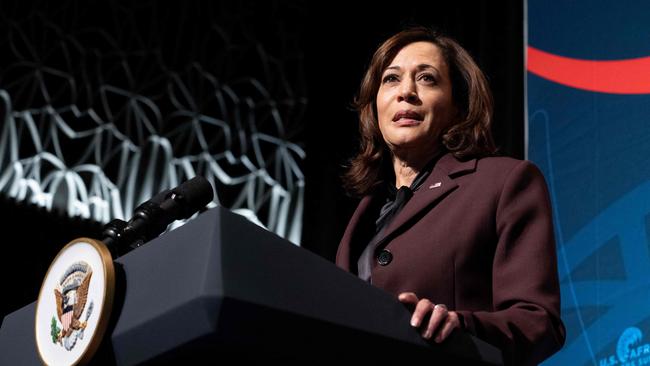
x=588, y=129
x=104, y=105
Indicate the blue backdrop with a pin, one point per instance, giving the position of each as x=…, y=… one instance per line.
x=594, y=149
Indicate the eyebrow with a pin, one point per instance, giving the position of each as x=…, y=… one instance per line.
x=419, y=67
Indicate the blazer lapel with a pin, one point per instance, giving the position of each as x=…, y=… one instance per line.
x=438, y=185
x=343, y=253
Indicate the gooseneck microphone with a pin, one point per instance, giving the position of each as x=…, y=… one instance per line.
x=152, y=217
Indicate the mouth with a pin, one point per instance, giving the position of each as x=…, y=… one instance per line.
x=407, y=117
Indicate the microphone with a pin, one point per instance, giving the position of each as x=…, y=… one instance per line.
x=152, y=217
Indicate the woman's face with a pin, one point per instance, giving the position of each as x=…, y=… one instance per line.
x=414, y=102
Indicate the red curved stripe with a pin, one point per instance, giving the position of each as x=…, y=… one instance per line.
x=630, y=76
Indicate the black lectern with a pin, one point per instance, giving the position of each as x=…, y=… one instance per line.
x=221, y=288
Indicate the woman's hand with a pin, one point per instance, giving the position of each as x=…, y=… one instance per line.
x=441, y=321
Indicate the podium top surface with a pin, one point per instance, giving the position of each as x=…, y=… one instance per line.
x=220, y=279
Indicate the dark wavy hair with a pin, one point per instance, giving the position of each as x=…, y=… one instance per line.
x=469, y=136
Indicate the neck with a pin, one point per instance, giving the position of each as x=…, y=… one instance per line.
x=408, y=164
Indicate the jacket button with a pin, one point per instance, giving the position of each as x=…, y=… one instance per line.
x=384, y=257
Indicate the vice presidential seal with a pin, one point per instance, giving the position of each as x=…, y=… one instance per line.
x=71, y=296
x=74, y=303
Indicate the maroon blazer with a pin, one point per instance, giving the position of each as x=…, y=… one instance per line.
x=477, y=236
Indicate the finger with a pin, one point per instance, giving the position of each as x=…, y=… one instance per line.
x=422, y=309
x=408, y=297
x=437, y=318
x=451, y=322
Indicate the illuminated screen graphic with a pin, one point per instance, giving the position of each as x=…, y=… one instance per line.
x=588, y=95
x=97, y=118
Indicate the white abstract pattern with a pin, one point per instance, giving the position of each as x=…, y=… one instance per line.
x=93, y=128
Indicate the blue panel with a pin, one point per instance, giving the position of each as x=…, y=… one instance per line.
x=590, y=29
x=594, y=149
x=605, y=264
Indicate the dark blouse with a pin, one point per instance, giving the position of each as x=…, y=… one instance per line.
x=394, y=200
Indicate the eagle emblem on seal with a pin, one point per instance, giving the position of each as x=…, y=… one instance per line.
x=71, y=295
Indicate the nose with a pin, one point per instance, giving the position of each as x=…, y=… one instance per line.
x=408, y=92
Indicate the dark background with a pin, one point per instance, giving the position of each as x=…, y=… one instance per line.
x=336, y=41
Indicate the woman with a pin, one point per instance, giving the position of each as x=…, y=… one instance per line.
x=461, y=236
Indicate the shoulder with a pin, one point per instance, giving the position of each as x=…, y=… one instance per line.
x=502, y=163
x=515, y=180
x=507, y=167
x=501, y=175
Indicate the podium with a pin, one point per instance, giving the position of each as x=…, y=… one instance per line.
x=221, y=288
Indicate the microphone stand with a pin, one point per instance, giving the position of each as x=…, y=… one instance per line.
x=152, y=217
x=148, y=222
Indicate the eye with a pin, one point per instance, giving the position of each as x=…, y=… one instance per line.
x=389, y=78
x=429, y=78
